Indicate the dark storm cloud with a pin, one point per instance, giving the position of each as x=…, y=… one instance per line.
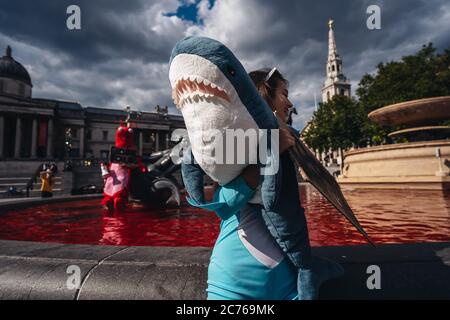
x=293, y=24
x=120, y=55
x=108, y=29
x=293, y=35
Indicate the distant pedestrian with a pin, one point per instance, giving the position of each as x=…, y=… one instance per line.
x=47, y=180
x=54, y=169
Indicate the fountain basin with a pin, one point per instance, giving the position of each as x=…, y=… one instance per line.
x=412, y=165
x=38, y=269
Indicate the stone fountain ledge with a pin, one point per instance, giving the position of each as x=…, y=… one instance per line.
x=8, y=204
x=32, y=270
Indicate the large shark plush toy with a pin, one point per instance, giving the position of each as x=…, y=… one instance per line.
x=214, y=93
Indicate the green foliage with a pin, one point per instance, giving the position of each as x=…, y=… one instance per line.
x=422, y=75
x=338, y=123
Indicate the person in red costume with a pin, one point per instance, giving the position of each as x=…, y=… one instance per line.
x=117, y=175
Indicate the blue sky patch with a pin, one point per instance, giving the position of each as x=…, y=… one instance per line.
x=188, y=11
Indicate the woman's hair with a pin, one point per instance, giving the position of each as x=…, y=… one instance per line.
x=267, y=87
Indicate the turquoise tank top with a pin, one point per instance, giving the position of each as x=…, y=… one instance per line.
x=246, y=262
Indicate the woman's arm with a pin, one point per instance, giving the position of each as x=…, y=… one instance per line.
x=235, y=195
x=230, y=198
x=238, y=192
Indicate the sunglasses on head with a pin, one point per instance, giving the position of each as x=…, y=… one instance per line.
x=270, y=74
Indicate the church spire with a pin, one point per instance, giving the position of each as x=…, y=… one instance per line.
x=336, y=83
x=332, y=52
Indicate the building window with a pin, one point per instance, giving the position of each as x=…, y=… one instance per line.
x=89, y=134
x=332, y=67
x=74, y=133
x=21, y=89
x=328, y=95
x=105, y=135
x=74, y=153
x=164, y=141
x=342, y=92
x=150, y=138
x=104, y=154
x=1, y=85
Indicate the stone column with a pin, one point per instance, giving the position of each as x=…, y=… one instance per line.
x=34, y=137
x=18, y=141
x=82, y=142
x=2, y=135
x=157, y=141
x=341, y=160
x=141, y=142
x=330, y=157
x=50, y=139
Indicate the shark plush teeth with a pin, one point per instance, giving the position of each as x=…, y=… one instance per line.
x=192, y=86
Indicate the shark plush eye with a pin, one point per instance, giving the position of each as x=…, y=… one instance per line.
x=231, y=71
x=130, y=130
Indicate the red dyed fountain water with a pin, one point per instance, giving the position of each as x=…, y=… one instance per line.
x=403, y=216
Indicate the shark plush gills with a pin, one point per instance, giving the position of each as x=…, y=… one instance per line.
x=213, y=91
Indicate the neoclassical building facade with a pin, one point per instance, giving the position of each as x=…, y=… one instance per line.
x=48, y=129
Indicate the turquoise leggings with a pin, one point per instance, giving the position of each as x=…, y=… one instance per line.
x=234, y=296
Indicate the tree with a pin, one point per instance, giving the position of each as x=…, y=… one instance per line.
x=338, y=123
x=422, y=75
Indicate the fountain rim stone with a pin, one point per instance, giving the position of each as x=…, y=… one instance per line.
x=414, y=112
x=397, y=146
x=419, y=129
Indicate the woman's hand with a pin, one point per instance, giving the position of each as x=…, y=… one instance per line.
x=287, y=139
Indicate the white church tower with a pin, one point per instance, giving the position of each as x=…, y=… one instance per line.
x=336, y=83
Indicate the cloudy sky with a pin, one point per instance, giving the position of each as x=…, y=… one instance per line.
x=120, y=56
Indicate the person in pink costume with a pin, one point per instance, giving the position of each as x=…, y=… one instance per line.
x=117, y=175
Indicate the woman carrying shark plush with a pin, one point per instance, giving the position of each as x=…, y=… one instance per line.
x=263, y=249
x=273, y=88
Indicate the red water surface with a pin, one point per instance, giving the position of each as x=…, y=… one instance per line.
x=388, y=216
